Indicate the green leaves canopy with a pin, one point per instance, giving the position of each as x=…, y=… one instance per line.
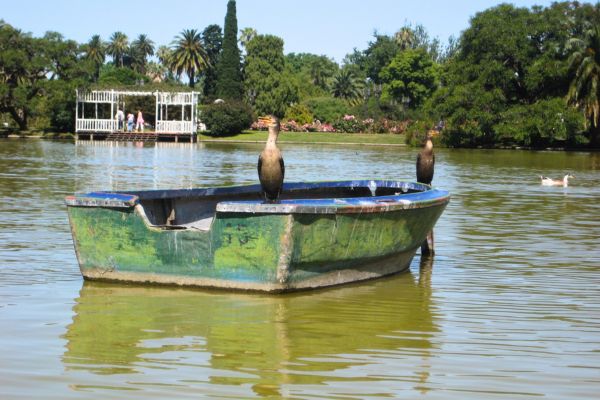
x=410, y=77
x=269, y=87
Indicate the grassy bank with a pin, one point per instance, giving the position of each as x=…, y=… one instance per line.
x=374, y=139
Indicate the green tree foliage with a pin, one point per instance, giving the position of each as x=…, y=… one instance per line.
x=22, y=73
x=95, y=52
x=312, y=73
x=377, y=56
x=269, y=88
x=188, y=56
x=141, y=49
x=299, y=113
x=543, y=123
x=584, y=91
x=227, y=118
x=246, y=35
x=212, y=39
x=327, y=109
x=117, y=47
x=511, y=62
x=345, y=85
x=229, y=72
x=115, y=76
x=409, y=78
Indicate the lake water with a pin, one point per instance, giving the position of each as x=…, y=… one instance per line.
x=509, y=307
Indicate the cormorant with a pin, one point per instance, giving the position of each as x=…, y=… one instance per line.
x=426, y=162
x=271, y=168
x=425, y=166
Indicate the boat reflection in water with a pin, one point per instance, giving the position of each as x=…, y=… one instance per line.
x=255, y=344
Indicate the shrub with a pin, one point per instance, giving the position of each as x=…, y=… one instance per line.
x=227, y=118
x=299, y=113
x=349, y=124
x=327, y=109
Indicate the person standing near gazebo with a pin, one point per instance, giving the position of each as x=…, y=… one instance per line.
x=139, y=125
x=120, y=117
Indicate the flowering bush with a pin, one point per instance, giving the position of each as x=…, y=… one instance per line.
x=347, y=124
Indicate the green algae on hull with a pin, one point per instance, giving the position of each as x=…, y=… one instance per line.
x=319, y=234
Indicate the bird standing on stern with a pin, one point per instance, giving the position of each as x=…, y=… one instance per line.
x=271, y=168
x=425, y=167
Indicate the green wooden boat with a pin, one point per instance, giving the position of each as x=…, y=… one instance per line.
x=318, y=234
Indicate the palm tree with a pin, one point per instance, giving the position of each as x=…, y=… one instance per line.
x=346, y=86
x=117, y=47
x=157, y=72
x=246, y=35
x=164, y=55
x=405, y=38
x=585, y=87
x=142, y=47
x=188, y=55
x=95, y=51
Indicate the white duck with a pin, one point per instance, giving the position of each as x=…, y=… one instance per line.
x=556, y=182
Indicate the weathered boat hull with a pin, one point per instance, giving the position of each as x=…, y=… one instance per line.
x=299, y=243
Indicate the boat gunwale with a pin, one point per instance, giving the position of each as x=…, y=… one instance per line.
x=423, y=196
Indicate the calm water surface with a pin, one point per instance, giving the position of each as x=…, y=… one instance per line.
x=509, y=308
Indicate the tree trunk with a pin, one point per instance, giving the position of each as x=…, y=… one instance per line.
x=20, y=117
x=595, y=136
x=191, y=75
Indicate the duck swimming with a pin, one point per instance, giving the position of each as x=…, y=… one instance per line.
x=556, y=182
x=271, y=168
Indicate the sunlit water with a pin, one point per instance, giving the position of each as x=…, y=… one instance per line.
x=509, y=308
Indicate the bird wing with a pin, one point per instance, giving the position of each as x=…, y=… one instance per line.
x=282, y=165
x=259, y=164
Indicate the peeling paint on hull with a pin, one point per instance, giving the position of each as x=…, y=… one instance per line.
x=299, y=243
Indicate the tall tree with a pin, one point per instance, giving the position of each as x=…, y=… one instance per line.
x=95, y=52
x=142, y=47
x=246, y=35
x=584, y=91
x=212, y=38
x=409, y=78
x=189, y=55
x=22, y=73
x=269, y=88
x=229, y=72
x=118, y=46
x=405, y=38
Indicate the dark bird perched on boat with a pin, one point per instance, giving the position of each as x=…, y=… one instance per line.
x=426, y=162
x=425, y=167
x=271, y=168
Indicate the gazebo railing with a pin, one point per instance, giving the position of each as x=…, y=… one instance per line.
x=95, y=125
x=175, y=127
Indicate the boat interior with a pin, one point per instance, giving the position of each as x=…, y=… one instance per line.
x=195, y=208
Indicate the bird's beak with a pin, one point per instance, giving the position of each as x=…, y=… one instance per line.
x=433, y=133
x=265, y=120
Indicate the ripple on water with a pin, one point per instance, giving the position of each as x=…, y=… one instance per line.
x=509, y=308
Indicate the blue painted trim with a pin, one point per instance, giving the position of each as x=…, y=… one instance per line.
x=424, y=197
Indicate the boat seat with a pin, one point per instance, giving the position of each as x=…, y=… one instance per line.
x=201, y=224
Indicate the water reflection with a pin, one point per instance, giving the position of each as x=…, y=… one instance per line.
x=269, y=343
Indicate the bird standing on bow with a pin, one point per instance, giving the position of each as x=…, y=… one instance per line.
x=426, y=162
x=271, y=168
x=556, y=182
x=425, y=166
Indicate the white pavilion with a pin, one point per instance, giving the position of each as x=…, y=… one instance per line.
x=96, y=115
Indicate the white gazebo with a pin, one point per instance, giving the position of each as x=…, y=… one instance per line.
x=95, y=111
